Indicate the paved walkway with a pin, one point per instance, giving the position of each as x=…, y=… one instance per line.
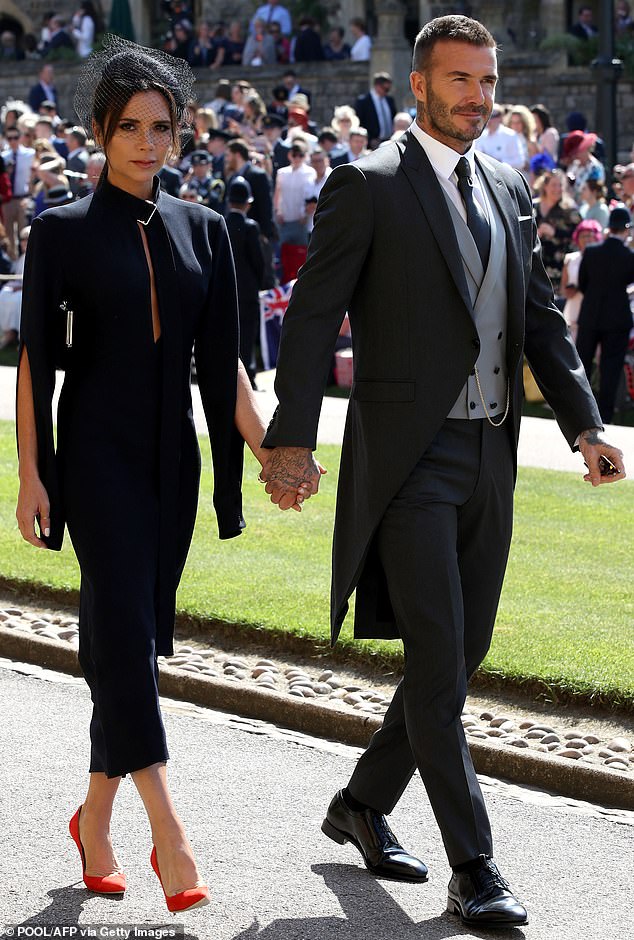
x=253, y=797
x=541, y=442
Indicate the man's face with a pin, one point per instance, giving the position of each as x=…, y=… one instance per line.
x=357, y=143
x=455, y=95
x=12, y=137
x=216, y=146
x=47, y=74
x=43, y=130
x=383, y=88
x=627, y=181
x=318, y=163
x=232, y=161
x=585, y=16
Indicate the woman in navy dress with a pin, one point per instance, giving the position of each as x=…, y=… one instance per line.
x=119, y=288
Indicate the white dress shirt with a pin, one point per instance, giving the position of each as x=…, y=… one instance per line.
x=291, y=184
x=383, y=113
x=272, y=13
x=23, y=159
x=444, y=161
x=361, y=49
x=504, y=145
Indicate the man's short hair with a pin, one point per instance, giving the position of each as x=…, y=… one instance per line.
x=359, y=22
x=239, y=146
x=380, y=78
x=79, y=134
x=456, y=28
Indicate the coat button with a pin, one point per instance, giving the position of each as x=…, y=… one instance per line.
x=493, y=404
x=496, y=370
x=500, y=335
x=475, y=343
x=472, y=405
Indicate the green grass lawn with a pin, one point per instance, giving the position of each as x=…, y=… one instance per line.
x=567, y=610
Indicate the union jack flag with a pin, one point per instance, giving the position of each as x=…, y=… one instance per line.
x=273, y=304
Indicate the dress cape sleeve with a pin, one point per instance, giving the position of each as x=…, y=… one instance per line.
x=42, y=337
x=216, y=352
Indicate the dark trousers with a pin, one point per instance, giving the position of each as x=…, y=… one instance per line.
x=443, y=543
x=613, y=349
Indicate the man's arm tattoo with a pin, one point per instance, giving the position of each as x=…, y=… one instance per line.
x=591, y=436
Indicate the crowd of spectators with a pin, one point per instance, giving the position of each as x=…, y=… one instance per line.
x=265, y=140
x=269, y=38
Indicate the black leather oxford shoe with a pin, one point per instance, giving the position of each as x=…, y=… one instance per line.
x=482, y=898
x=369, y=831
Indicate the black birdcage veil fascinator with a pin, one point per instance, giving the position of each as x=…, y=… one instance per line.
x=110, y=77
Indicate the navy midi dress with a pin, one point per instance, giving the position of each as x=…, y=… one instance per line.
x=124, y=472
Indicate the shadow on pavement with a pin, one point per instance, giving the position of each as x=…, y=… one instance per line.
x=369, y=911
x=66, y=907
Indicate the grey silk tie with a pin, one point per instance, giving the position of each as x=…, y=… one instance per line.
x=476, y=219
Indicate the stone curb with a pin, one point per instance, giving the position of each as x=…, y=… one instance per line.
x=594, y=784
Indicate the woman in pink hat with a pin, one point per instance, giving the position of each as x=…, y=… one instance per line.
x=586, y=233
x=581, y=163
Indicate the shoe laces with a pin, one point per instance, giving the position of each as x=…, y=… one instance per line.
x=489, y=879
x=382, y=829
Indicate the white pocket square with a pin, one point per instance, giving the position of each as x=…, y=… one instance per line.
x=524, y=218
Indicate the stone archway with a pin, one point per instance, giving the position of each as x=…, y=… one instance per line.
x=11, y=10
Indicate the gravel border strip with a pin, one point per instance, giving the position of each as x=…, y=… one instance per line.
x=585, y=782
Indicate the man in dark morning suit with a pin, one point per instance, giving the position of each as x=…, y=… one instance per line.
x=605, y=316
x=432, y=250
x=237, y=163
x=248, y=257
x=44, y=90
x=376, y=109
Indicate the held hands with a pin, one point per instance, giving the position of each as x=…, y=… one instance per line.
x=291, y=475
x=33, y=506
x=593, y=447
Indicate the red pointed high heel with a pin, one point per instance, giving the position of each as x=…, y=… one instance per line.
x=106, y=884
x=187, y=900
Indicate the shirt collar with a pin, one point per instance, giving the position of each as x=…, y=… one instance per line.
x=442, y=158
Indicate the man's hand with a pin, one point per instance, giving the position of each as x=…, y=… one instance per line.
x=592, y=447
x=291, y=475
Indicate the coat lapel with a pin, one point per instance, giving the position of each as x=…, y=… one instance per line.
x=424, y=182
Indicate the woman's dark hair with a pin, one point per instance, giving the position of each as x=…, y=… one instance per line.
x=453, y=28
x=541, y=111
x=109, y=79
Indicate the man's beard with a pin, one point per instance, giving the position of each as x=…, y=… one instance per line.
x=436, y=112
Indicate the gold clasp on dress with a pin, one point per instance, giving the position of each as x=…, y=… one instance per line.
x=69, y=323
x=154, y=207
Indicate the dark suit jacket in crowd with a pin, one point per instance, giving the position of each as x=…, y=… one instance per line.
x=384, y=248
x=579, y=32
x=366, y=112
x=604, y=274
x=244, y=234
x=262, y=205
x=171, y=180
x=37, y=95
x=308, y=47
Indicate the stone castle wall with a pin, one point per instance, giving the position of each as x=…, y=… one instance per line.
x=330, y=84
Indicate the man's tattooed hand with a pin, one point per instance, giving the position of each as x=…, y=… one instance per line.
x=292, y=475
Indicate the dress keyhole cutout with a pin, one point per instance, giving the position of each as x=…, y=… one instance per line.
x=156, y=320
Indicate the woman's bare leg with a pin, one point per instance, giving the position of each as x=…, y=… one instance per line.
x=173, y=851
x=94, y=825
